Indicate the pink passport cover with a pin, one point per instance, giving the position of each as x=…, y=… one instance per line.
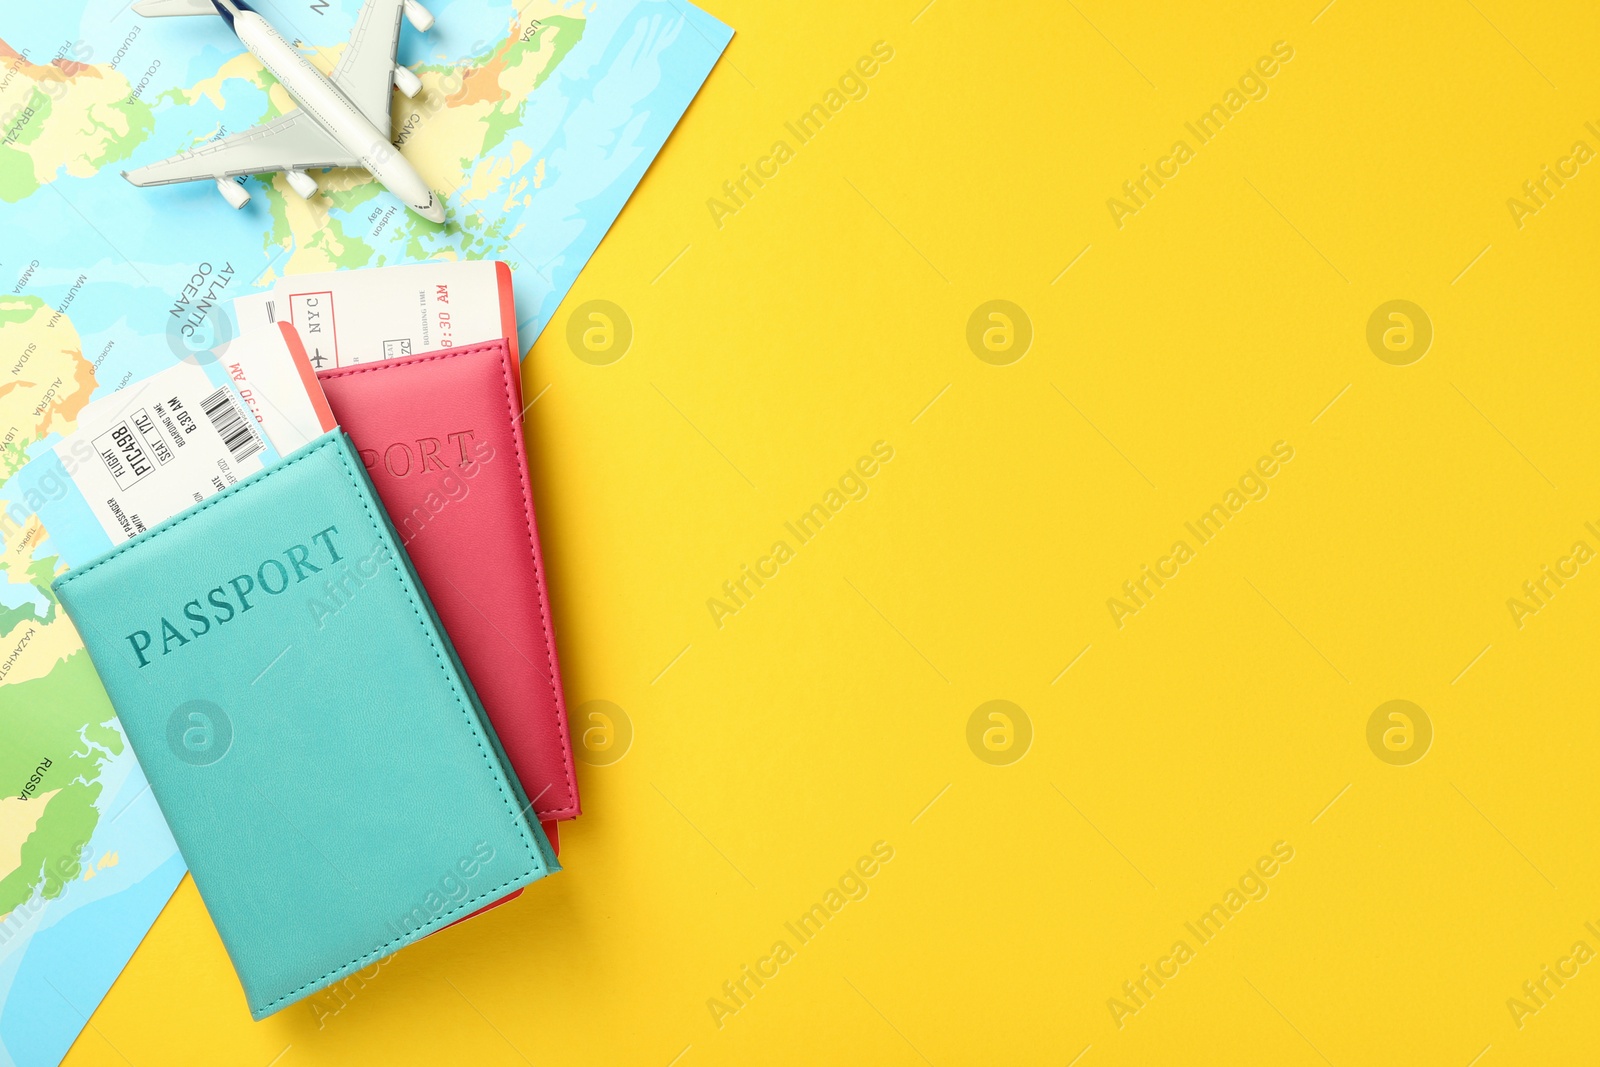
x=441, y=436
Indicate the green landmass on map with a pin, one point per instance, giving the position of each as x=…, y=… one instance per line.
x=65, y=717
x=508, y=116
x=72, y=123
x=16, y=166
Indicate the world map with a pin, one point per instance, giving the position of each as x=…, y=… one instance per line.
x=536, y=121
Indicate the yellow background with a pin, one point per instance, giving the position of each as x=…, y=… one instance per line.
x=1228, y=714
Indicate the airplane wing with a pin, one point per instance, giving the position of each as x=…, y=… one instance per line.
x=163, y=8
x=365, y=72
x=291, y=142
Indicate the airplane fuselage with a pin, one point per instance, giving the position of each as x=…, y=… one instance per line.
x=323, y=101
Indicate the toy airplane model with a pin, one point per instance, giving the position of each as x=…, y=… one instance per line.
x=343, y=121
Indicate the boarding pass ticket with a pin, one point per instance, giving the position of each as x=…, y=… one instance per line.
x=361, y=316
x=273, y=373
x=160, y=445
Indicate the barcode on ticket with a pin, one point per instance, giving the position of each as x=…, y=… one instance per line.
x=229, y=422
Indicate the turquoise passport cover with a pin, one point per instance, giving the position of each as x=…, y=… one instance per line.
x=305, y=725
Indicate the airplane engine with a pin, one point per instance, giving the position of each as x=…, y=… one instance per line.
x=407, y=82
x=302, y=183
x=234, y=193
x=418, y=16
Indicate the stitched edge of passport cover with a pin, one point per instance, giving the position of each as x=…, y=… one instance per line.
x=465, y=699
x=502, y=347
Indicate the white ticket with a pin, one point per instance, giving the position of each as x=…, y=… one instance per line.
x=140, y=456
x=360, y=316
x=272, y=371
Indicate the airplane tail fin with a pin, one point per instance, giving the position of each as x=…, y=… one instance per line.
x=160, y=8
